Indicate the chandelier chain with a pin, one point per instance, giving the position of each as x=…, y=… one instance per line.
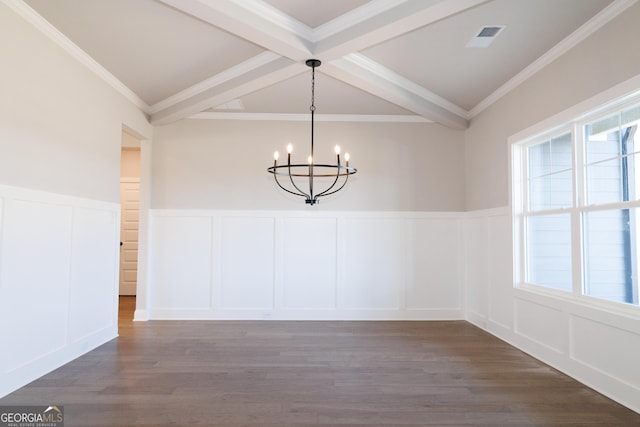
x=313, y=89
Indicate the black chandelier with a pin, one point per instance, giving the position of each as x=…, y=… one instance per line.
x=336, y=175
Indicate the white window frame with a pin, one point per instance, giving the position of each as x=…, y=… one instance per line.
x=572, y=120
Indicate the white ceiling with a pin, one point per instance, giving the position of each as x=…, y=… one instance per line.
x=395, y=60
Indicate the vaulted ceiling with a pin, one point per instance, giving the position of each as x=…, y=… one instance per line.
x=388, y=60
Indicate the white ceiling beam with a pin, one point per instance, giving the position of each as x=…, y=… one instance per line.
x=352, y=70
x=259, y=23
x=258, y=78
x=391, y=22
x=252, y=21
x=370, y=66
x=255, y=22
x=366, y=75
x=234, y=72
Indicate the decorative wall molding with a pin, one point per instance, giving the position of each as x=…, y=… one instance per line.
x=367, y=265
x=58, y=280
x=328, y=265
x=590, y=340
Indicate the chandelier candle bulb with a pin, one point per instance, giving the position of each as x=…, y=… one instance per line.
x=329, y=178
x=346, y=157
x=276, y=156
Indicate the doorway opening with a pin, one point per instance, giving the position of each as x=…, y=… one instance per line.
x=129, y=218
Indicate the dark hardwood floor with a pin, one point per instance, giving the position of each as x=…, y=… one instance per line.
x=233, y=373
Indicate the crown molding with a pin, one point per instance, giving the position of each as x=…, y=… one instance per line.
x=371, y=118
x=41, y=24
x=587, y=29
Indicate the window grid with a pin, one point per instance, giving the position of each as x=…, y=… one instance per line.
x=583, y=269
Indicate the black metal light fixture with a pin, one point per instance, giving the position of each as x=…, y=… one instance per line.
x=298, y=173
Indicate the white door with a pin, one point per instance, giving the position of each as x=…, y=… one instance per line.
x=130, y=208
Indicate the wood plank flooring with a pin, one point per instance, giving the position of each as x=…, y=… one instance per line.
x=232, y=373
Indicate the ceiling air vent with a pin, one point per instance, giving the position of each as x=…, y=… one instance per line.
x=485, y=36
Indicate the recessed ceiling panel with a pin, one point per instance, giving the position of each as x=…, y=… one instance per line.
x=436, y=56
x=153, y=49
x=315, y=13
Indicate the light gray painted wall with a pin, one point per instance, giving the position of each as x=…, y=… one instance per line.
x=601, y=61
x=60, y=125
x=213, y=164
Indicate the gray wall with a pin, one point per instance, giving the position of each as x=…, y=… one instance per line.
x=60, y=124
x=213, y=164
x=604, y=59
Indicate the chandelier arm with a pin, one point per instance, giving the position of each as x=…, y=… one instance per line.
x=324, y=193
x=274, y=169
x=286, y=189
x=302, y=193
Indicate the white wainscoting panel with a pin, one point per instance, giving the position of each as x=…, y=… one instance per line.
x=476, y=233
x=374, y=269
x=309, y=263
x=579, y=336
x=182, y=251
x=434, y=251
x=305, y=265
x=36, y=252
x=58, y=281
x=94, y=271
x=614, y=353
x=500, y=274
x=247, y=270
x=541, y=324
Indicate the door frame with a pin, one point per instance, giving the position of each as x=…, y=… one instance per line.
x=141, y=312
x=142, y=292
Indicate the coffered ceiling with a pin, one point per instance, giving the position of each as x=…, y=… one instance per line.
x=387, y=60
